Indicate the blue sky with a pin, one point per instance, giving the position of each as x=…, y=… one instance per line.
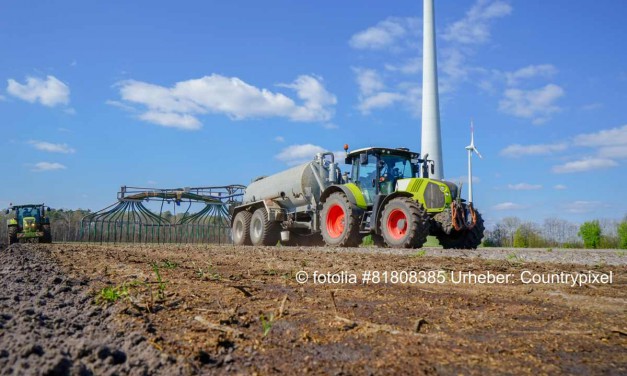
x=95, y=95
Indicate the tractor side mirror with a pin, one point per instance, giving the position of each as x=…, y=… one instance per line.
x=432, y=169
x=48, y=209
x=8, y=211
x=363, y=159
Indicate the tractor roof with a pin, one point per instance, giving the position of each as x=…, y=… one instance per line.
x=394, y=151
x=27, y=206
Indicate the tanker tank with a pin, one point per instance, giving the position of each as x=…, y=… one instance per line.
x=297, y=186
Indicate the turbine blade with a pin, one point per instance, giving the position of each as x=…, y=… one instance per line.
x=477, y=151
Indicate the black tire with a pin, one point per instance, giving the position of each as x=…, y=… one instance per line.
x=241, y=228
x=263, y=231
x=339, y=222
x=404, y=223
x=47, y=238
x=13, y=234
x=463, y=239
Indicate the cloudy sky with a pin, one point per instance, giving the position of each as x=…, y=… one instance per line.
x=95, y=95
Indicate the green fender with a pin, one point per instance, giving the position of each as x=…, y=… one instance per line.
x=12, y=222
x=352, y=192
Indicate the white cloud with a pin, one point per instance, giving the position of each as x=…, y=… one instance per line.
x=279, y=139
x=329, y=126
x=368, y=80
x=172, y=119
x=543, y=70
x=179, y=105
x=579, y=207
x=592, y=106
x=507, y=206
x=48, y=166
x=618, y=152
x=537, y=104
x=120, y=105
x=410, y=66
x=524, y=187
x=52, y=148
x=607, y=137
x=517, y=150
x=49, y=92
x=297, y=154
x=584, y=165
x=70, y=111
x=474, y=27
x=379, y=101
x=560, y=187
x=386, y=34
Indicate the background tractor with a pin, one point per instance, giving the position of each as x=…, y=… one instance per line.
x=30, y=224
x=387, y=195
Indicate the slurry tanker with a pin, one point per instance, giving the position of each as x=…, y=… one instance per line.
x=387, y=194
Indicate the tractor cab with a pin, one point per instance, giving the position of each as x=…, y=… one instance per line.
x=376, y=171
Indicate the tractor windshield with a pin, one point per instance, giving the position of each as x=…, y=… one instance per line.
x=28, y=212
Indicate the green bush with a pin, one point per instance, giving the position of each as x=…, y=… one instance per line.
x=590, y=232
x=622, y=235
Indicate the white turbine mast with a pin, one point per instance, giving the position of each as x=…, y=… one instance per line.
x=431, y=140
x=471, y=149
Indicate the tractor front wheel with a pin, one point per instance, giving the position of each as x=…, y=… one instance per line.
x=404, y=223
x=13, y=230
x=241, y=228
x=340, y=222
x=263, y=231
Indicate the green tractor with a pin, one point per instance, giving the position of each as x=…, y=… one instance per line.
x=30, y=224
x=390, y=196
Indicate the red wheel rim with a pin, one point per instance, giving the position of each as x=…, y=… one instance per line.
x=335, y=221
x=397, y=224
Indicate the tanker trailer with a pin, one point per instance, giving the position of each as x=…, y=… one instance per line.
x=285, y=206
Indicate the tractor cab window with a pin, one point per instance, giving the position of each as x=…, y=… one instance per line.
x=394, y=167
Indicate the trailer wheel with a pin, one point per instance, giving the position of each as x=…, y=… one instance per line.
x=47, y=238
x=241, y=228
x=13, y=230
x=463, y=239
x=339, y=222
x=263, y=231
x=404, y=223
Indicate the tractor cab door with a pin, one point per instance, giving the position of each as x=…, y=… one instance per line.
x=365, y=175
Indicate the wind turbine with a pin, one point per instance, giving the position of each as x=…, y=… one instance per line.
x=471, y=149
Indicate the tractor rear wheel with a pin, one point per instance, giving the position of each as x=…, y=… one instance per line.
x=47, y=238
x=463, y=239
x=339, y=222
x=13, y=230
x=263, y=231
x=241, y=228
x=404, y=223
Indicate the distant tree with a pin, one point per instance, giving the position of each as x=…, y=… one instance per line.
x=528, y=235
x=622, y=234
x=590, y=232
x=520, y=239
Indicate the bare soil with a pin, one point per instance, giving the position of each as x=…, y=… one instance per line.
x=239, y=310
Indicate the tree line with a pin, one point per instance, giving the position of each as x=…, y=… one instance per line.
x=557, y=232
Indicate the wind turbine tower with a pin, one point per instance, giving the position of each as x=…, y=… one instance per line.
x=431, y=142
x=471, y=149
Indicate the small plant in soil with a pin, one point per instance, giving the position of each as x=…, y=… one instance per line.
x=111, y=294
x=167, y=264
x=420, y=253
x=266, y=323
x=160, y=282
